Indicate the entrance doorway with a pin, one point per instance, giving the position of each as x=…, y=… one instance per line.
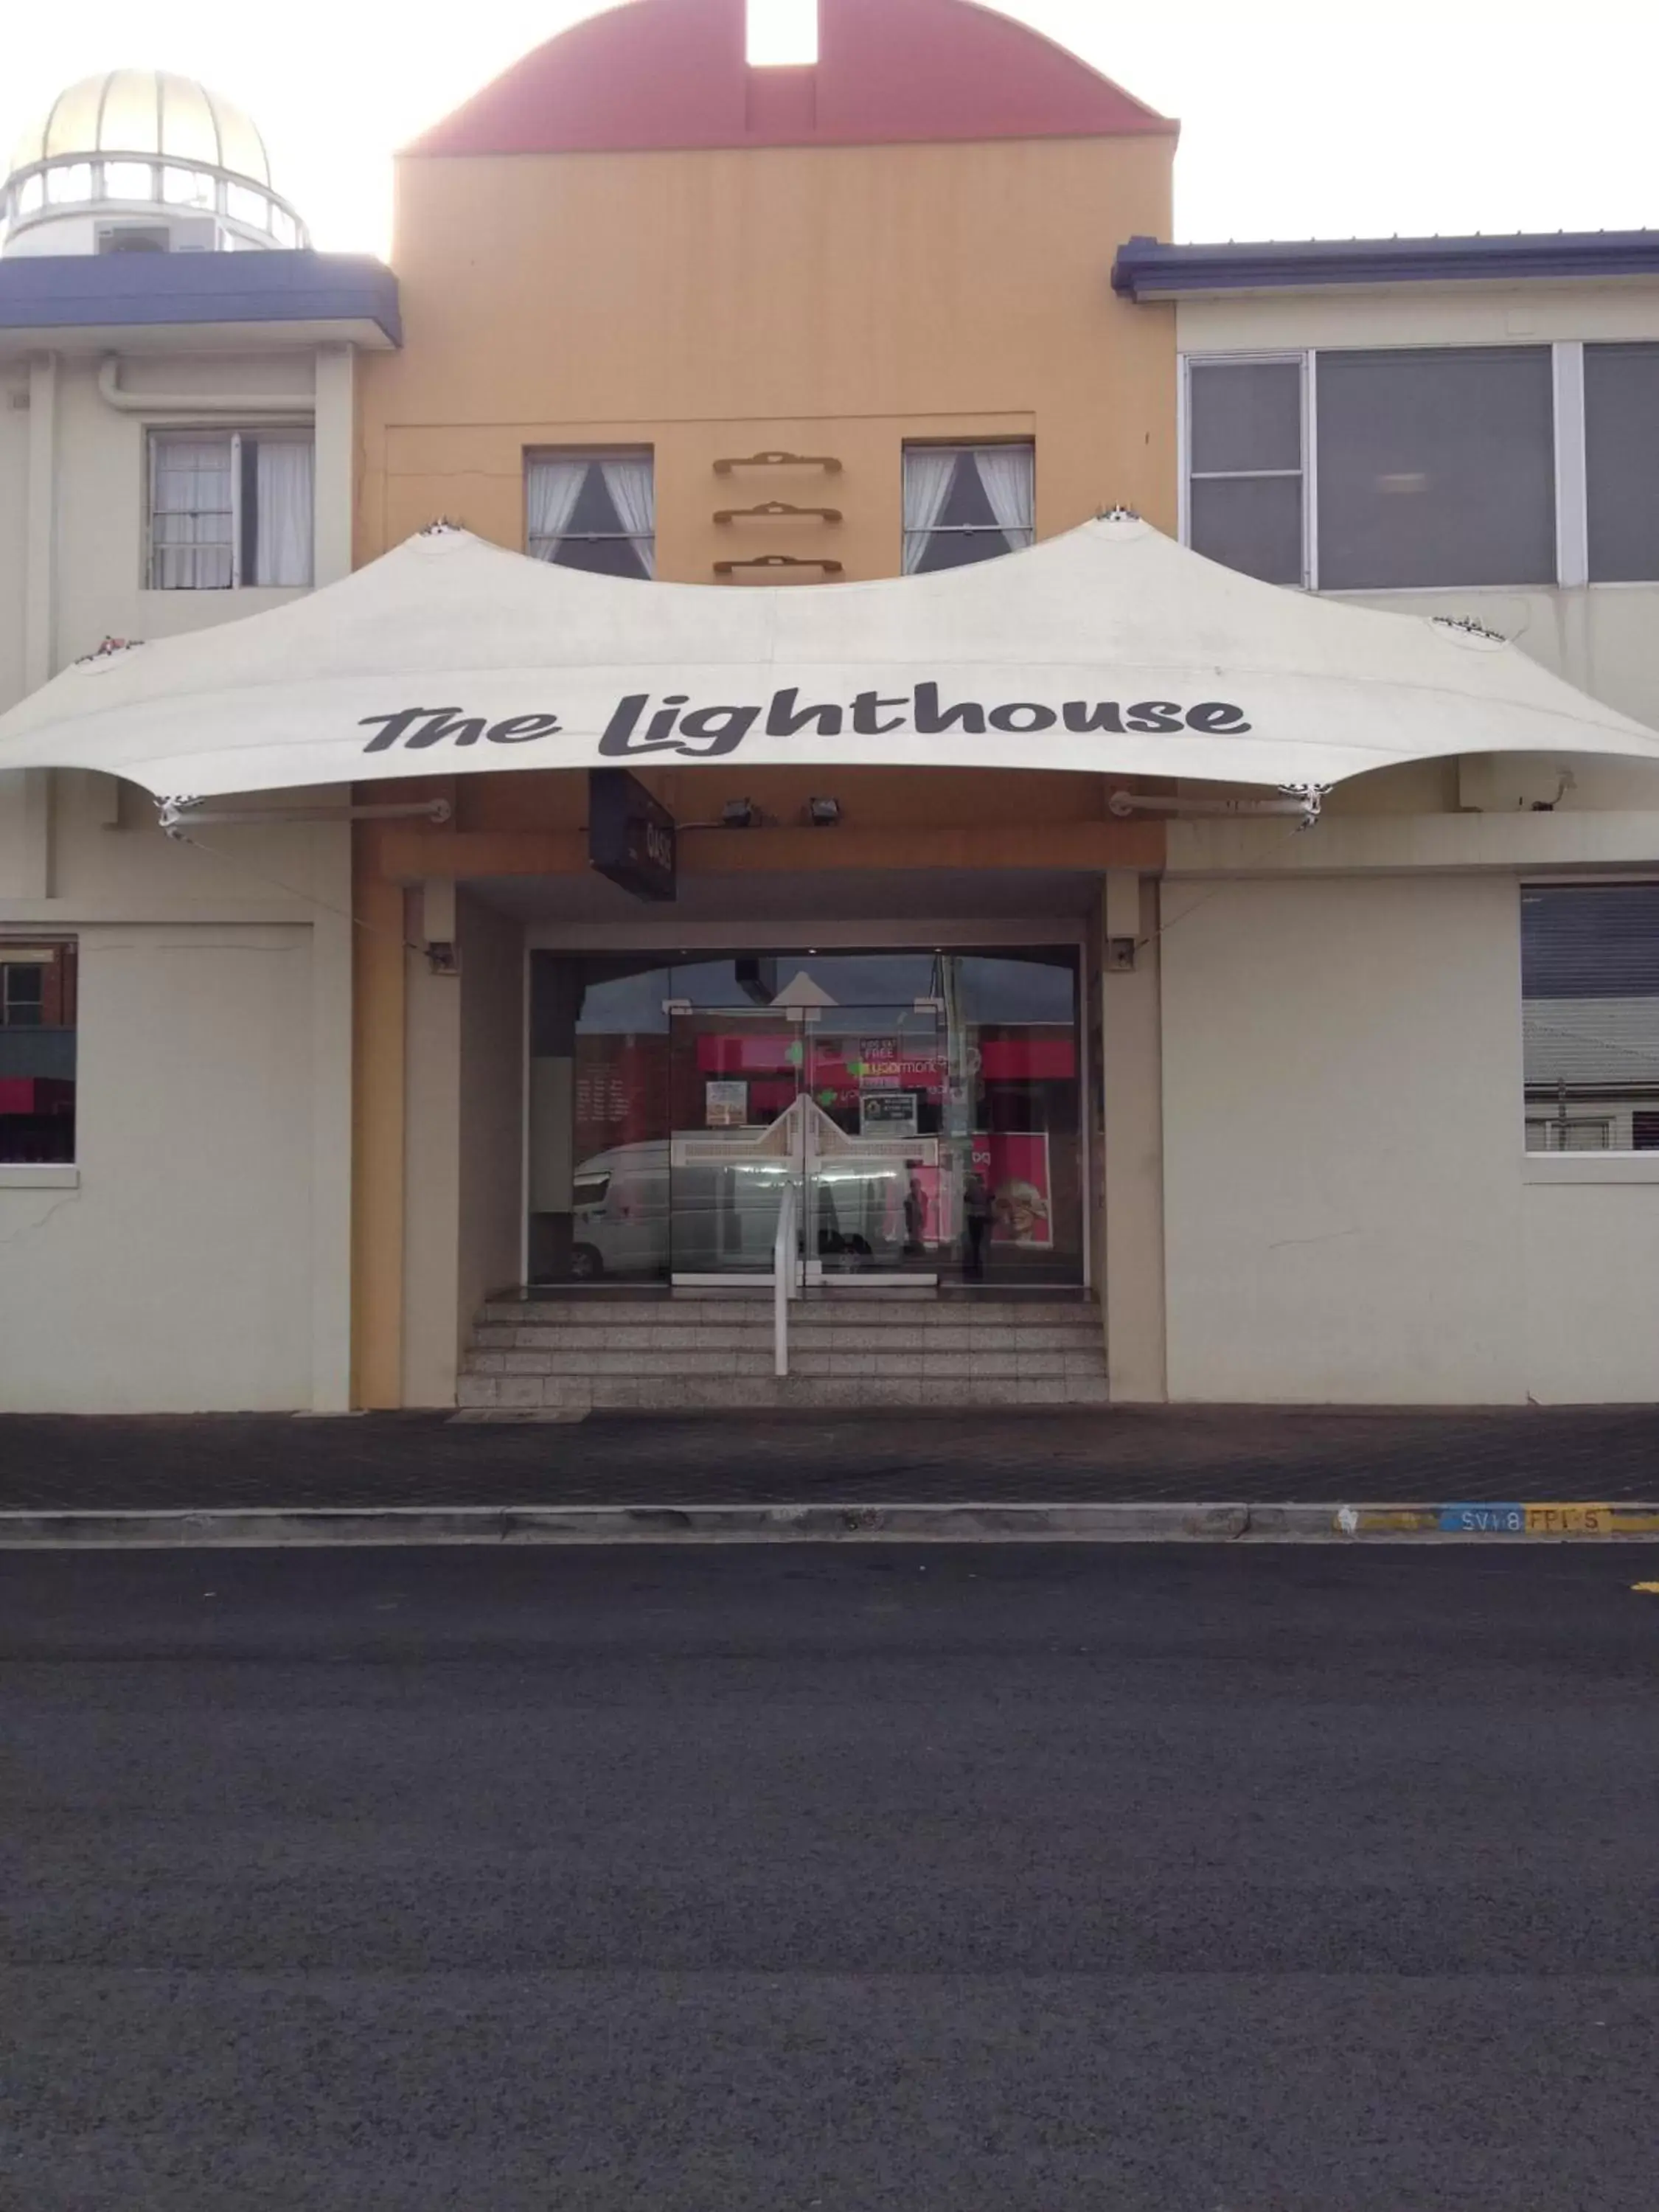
x=925, y=1107
x=843, y=1106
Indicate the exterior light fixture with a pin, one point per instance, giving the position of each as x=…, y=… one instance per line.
x=823, y=813
x=739, y=814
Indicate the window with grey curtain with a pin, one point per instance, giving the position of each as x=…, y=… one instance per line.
x=1244, y=473
x=1437, y=467
x=1621, y=462
x=594, y=510
x=965, y=503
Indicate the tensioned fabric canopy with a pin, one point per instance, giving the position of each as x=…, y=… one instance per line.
x=1111, y=648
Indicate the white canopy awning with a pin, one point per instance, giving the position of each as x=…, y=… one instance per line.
x=1110, y=648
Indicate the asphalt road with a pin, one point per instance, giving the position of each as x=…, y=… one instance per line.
x=1031, y=1879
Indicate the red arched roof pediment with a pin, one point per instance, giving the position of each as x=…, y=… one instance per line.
x=665, y=75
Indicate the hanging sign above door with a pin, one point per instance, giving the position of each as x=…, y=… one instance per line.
x=630, y=834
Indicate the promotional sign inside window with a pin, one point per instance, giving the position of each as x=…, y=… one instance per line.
x=725, y=1105
x=888, y=1114
x=1015, y=1166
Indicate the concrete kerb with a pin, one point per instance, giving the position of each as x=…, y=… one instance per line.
x=961, y=1524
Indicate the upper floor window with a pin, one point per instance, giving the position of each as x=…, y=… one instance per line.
x=37, y=1053
x=966, y=503
x=1589, y=985
x=1244, y=465
x=593, y=510
x=1436, y=467
x=230, y=507
x=1621, y=462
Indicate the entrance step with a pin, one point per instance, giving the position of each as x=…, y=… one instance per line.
x=845, y=1352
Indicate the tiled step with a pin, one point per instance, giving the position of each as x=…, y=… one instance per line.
x=699, y=1393
x=848, y=1352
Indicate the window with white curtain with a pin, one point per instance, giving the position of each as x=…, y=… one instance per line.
x=593, y=510
x=231, y=507
x=966, y=503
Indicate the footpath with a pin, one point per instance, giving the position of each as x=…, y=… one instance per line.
x=1212, y=1474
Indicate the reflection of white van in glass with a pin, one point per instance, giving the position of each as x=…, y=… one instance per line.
x=620, y=1203
x=634, y=1216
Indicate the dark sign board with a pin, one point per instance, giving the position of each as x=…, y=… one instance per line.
x=630, y=837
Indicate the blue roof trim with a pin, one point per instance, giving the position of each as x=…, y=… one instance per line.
x=1147, y=269
x=92, y=291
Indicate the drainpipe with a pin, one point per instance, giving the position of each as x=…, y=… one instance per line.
x=196, y=403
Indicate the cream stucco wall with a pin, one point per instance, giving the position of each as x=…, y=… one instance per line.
x=196, y=1256
x=1350, y=1211
x=1591, y=1245
x=174, y=1272
x=1343, y=1140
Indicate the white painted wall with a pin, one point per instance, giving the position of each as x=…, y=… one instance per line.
x=1342, y=1133
x=198, y=1256
x=175, y=1273
x=1591, y=1236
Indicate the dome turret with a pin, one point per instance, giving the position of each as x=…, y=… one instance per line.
x=143, y=161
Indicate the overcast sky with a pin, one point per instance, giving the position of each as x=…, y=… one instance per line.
x=1301, y=118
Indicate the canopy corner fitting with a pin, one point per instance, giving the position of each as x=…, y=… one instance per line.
x=1313, y=797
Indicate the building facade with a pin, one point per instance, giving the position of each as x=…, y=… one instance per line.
x=1363, y=1113
x=176, y=1041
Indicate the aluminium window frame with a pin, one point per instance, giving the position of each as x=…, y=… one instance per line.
x=1569, y=463
x=1301, y=358
x=283, y=433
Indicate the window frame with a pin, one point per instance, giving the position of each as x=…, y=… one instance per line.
x=157, y=436
x=1615, y=1162
x=1302, y=358
x=21, y=947
x=593, y=455
x=957, y=447
x=1569, y=467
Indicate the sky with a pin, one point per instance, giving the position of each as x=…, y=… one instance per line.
x=1301, y=118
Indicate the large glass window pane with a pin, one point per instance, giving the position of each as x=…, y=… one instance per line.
x=942, y=1092
x=1245, y=414
x=1253, y=524
x=1621, y=458
x=1436, y=467
x=1590, y=982
x=1244, y=466
x=129, y=181
x=70, y=183
x=37, y=1053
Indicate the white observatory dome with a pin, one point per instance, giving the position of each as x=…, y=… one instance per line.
x=143, y=161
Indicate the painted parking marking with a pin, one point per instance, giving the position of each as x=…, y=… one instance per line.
x=1484, y=1520
x=1500, y=1518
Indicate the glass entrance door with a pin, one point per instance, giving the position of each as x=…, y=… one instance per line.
x=876, y=1204
x=842, y=1105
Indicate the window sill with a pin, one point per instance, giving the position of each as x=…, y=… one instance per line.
x=1585, y=1168
x=23, y=1175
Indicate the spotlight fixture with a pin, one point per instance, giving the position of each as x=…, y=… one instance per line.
x=739, y=814
x=823, y=813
